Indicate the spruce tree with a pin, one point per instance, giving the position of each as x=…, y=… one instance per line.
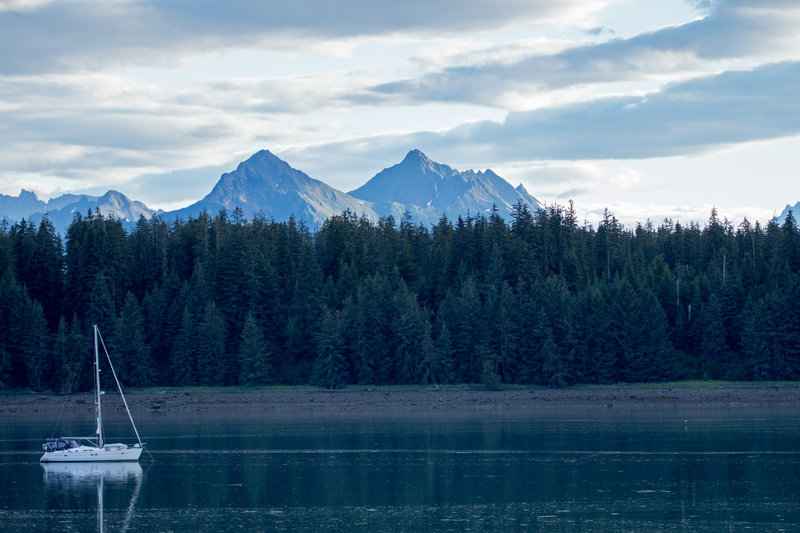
x=38, y=355
x=214, y=364
x=185, y=352
x=47, y=271
x=714, y=343
x=330, y=367
x=255, y=355
x=411, y=329
x=438, y=367
x=135, y=365
x=100, y=307
x=66, y=354
x=14, y=328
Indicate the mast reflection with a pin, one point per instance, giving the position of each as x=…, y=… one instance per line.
x=66, y=478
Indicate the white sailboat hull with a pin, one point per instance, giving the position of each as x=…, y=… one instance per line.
x=86, y=454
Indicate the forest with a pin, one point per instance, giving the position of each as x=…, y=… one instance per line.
x=537, y=298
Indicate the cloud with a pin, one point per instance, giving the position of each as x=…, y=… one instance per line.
x=74, y=116
x=86, y=35
x=691, y=117
x=87, y=129
x=734, y=34
x=632, y=214
x=684, y=118
x=101, y=126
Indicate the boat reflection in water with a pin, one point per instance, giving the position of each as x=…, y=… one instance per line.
x=81, y=477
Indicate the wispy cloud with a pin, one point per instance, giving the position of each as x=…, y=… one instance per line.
x=735, y=34
x=683, y=118
x=152, y=97
x=116, y=125
x=88, y=35
x=656, y=214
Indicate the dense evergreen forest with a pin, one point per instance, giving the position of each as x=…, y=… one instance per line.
x=535, y=299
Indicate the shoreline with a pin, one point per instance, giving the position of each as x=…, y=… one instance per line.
x=403, y=401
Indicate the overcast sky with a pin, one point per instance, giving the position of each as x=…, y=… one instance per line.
x=652, y=109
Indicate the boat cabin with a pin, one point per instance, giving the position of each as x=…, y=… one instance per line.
x=54, y=445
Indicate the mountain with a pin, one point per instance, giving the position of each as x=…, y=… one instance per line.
x=795, y=212
x=14, y=208
x=427, y=190
x=61, y=210
x=267, y=184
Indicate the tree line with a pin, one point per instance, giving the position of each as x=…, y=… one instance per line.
x=535, y=299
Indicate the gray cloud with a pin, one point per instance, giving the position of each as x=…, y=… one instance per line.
x=70, y=126
x=734, y=29
x=89, y=35
x=685, y=118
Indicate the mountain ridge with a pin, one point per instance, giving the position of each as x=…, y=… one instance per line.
x=62, y=209
x=266, y=185
x=428, y=190
x=795, y=209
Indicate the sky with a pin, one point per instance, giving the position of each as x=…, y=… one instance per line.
x=652, y=110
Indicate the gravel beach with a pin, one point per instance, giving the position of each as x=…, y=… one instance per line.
x=293, y=402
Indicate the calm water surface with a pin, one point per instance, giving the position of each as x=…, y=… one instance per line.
x=551, y=470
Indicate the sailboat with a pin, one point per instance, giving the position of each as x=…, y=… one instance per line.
x=94, y=448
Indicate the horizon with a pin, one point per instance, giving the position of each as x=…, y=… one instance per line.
x=622, y=220
x=652, y=111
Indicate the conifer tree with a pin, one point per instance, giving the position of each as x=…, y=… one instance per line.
x=47, y=271
x=255, y=355
x=14, y=311
x=100, y=307
x=542, y=299
x=372, y=342
x=135, y=364
x=68, y=351
x=214, y=365
x=463, y=315
x=764, y=362
x=488, y=361
x=304, y=310
x=38, y=356
x=506, y=334
x=185, y=352
x=330, y=366
x=439, y=365
x=554, y=367
x=791, y=242
x=714, y=343
x=411, y=329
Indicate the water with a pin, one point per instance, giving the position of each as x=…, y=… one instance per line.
x=555, y=470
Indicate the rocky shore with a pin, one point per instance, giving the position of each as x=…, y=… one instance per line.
x=292, y=402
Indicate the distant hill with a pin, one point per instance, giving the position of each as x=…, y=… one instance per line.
x=15, y=208
x=428, y=190
x=62, y=210
x=267, y=184
x=794, y=209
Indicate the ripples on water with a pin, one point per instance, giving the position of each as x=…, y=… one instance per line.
x=551, y=471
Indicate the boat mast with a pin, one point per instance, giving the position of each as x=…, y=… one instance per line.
x=119, y=388
x=97, y=387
